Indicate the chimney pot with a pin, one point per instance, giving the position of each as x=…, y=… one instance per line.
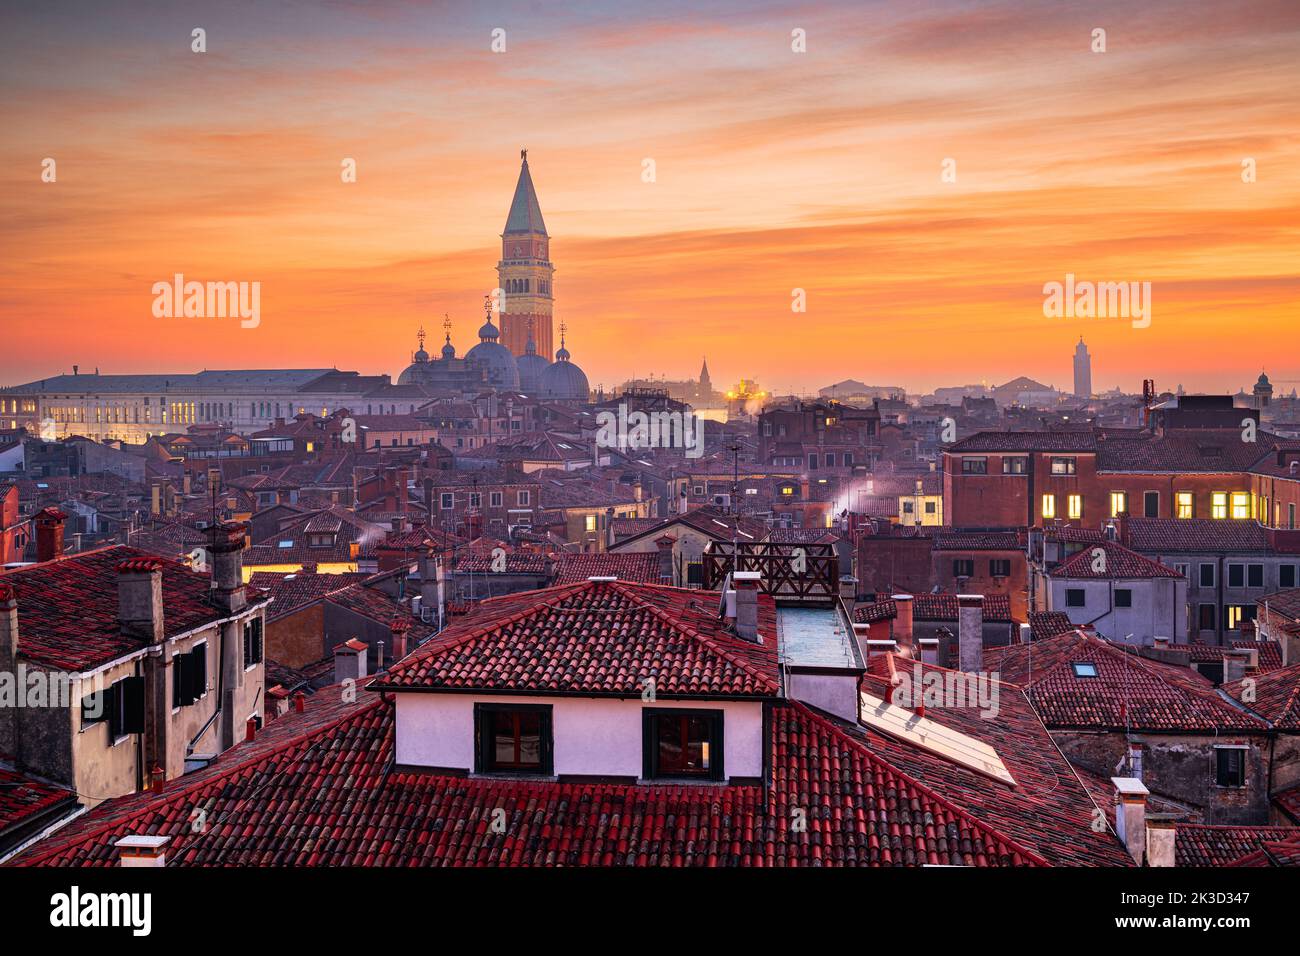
x=49, y=534
x=350, y=660
x=250, y=728
x=139, y=597
x=1130, y=815
x=1162, y=841
x=299, y=701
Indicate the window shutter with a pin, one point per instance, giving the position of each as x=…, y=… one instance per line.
x=132, y=691
x=180, y=679
x=198, y=672
x=114, y=710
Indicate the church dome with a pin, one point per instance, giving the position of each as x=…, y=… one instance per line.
x=417, y=372
x=562, y=380
x=1263, y=381
x=498, y=364
x=531, y=366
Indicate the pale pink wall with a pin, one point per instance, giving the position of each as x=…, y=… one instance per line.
x=593, y=735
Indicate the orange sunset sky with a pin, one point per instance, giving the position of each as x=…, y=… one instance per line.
x=775, y=170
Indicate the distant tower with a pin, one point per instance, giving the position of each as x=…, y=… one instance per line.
x=1082, y=371
x=524, y=272
x=706, y=385
x=1263, y=392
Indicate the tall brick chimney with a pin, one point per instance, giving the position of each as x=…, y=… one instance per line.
x=903, y=622
x=746, y=584
x=49, y=534
x=970, y=632
x=8, y=664
x=665, y=545
x=139, y=598
x=228, y=541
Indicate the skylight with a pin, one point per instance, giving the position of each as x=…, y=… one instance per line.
x=903, y=724
x=1084, y=669
x=286, y=544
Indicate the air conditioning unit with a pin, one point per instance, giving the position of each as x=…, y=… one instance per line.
x=722, y=501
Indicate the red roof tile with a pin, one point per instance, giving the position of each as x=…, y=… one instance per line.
x=1197, y=844
x=575, y=568
x=597, y=638
x=1275, y=696
x=1120, y=564
x=318, y=789
x=67, y=609
x=1128, y=693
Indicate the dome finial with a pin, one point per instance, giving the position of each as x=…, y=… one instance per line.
x=420, y=335
x=563, y=354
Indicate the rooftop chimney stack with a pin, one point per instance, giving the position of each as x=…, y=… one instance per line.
x=746, y=584
x=349, y=661
x=970, y=632
x=1130, y=815
x=49, y=534
x=400, y=628
x=1162, y=839
x=142, y=850
x=433, y=584
x=665, y=545
x=903, y=622
x=8, y=664
x=848, y=589
x=139, y=598
x=228, y=541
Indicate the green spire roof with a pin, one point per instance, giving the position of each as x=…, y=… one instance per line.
x=525, y=213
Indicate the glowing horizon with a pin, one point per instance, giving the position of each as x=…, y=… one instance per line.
x=775, y=171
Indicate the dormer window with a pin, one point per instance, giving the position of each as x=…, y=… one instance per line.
x=1084, y=669
x=321, y=540
x=513, y=738
x=682, y=743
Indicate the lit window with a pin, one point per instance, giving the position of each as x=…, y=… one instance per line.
x=1240, y=504
x=1118, y=503
x=1184, y=499
x=1063, y=466
x=1084, y=669
x=1076, y=506
x=591, y=522
x=1049, y=506
x=1219, y=504
x=682, y=743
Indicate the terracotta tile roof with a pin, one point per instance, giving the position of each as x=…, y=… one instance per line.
x=318, y=789
x=23, y=800
x=1026, y=441
x=1047, y=811
x=1102, y=789
x=1288, y=802
x=1128, y=692
x=978, y=541
x=1270, y=652
x=932, y=607
x=600, y=639
x=1273, y=853
x=1045, y=624
x=1186, y=450
x=517, y=562
x=1121, y=564
x=379, y=607
x=67, y=609
x=292, y=591
x=1198, y=844
x=802, y=536
x=1227, y=535
x=1276, y=696
x=576, y=568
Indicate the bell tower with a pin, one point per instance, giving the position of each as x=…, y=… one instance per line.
x=525, y=270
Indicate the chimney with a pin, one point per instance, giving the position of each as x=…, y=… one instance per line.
x=903, y=620
x=228, y=541
x=1130, y=815
x=49, y=534
x=139, y=598
x=1235, y=663
x=862, y=634
x=665, y=545
x=848, y=589
x=970, y=632
x=8, y=664
x=433, y=583
x=746, y=583
x=185, y=483
x=1135, y=760
x=250, y=728
x=142, y=850
x=1026, y=634
x=1162, y=840
x=883, y=646
x=401, y=490
x=349, y=661
x=299, y=701
x=929, y=650
x=155, y=499
x=399, y=629
x=1160, y=643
